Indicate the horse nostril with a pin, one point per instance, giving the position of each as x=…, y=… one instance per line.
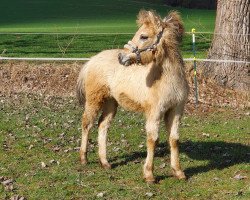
x=124, y=59
x=127, y=63
x=120, y=58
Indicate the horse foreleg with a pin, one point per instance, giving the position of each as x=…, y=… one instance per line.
x=172, y=120
x=109, y=111
x=152, y=127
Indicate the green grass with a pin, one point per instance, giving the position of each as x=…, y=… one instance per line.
x=80, y=45
x=209, y=162
x=89, y=16
x=86, y=17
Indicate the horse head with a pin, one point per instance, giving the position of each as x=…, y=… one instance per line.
x=154, y=39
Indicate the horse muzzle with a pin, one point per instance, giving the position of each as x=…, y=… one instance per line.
x=124, y=59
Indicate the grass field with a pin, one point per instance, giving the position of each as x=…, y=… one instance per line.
x=89, y=16
x=85, y=17
x=40, y=135
x=34, y=129
x=80, y=45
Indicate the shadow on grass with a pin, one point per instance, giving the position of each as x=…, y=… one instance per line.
x=219, y=154
x=138, y=156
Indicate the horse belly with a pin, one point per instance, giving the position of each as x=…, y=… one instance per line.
x=130, y=97
x=130, y=104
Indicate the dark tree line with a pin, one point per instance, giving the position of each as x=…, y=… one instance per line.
x=204, y=4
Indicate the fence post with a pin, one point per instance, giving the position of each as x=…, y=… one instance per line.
x=195, y=76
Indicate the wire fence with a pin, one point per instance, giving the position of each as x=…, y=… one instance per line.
x=103, y=33
x=87, y=59
x=90, y=44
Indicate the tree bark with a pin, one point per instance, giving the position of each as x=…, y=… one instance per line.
x=231, y=42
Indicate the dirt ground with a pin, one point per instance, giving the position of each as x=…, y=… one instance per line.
x=59, y=79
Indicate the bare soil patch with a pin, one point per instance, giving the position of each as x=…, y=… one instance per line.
x=59, y=79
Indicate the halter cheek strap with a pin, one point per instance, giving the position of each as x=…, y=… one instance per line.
x=138, y=51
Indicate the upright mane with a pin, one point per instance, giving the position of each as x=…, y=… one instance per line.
x=149, y=18
x=174, y=23
x=172, y=33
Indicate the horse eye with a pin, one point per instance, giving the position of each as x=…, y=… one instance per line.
x=144, y=37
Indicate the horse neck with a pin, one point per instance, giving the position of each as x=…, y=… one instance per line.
x=171, y=62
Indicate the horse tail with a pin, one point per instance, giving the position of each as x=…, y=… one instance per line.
x=80, y=87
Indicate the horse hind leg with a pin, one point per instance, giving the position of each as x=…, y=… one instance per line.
x=172, y=121
x=109, y=111
x=88, y=118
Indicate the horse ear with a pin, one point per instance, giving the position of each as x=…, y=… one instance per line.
x=154, y=19
x=173, y=19
x=151, y=15
x=148, y=17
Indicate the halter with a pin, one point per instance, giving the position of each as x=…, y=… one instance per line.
x=138, y=51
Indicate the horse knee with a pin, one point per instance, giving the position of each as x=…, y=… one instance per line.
x=174, y=143
x=152, y=130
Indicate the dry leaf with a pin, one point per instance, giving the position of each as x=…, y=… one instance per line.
x=100, y=195
x=43, y=165
x=162, y=166
x=239, y=177
x=7, y=182
x=149, y=194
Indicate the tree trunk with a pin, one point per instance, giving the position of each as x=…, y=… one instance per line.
x=231, y=42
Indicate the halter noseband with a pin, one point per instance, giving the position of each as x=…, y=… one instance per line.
x=138, y=51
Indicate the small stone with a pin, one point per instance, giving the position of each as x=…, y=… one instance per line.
x=52, y=161
x=9, y=187
x=216, y=179
x=149, y=194
x=239, y=193
x=7, y=182
x=76, y=148
x=116, y=149
x=56, y=148
x=43, y=165
x=100, y=195
x=136, y=161
x=141, y=146
x=239, y=177
x=162, y=166
x=205, y=135
x=15, y=197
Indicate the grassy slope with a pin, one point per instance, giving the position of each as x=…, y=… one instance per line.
x=88, y=16
x=210, y=162
x=85, y=17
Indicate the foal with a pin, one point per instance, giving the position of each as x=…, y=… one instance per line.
x=146, y=76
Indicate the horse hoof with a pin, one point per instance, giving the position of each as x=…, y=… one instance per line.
x=83, y=161
x=106, y=165
x=149, y=180
x=180, y=175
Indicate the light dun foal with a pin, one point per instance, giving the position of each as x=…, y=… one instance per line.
x=146, y=76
